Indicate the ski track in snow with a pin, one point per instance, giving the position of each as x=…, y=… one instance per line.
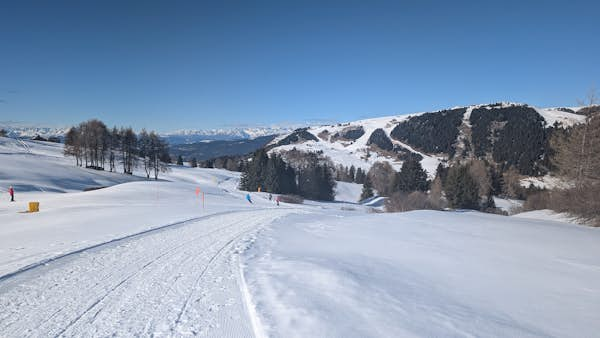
x=181, y=280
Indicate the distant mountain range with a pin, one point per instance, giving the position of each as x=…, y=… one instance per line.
x=187, y=136
x=28, y=130
x=183, y=136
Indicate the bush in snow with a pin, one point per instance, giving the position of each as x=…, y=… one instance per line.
x=402, y=201
x=293, y=199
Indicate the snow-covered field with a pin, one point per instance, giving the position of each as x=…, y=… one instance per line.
x=425, y=274
x=146, y=258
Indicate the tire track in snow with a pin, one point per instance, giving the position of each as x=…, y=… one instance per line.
x=185, y=304
x=125, y=280
x=137, y=272
x=46, y=261
x=159, y=269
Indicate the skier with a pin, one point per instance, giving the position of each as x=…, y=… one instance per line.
x=249, y=199
x=270, y=197
x=277, y=200
x=11, y=192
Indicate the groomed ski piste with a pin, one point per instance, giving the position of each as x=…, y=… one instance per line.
x=146, y=258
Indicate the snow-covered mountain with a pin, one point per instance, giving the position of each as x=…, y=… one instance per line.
x=473, y=131
x=183, y=136
x=28, y=130
x=187, y=136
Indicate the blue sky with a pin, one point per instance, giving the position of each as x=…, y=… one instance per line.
x=199, y=64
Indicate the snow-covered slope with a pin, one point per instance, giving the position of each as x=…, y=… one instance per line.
x=559, y=115
x=348, y=192
x=40, y=166
x=357, y=152
x=425, y=274
x=188, y=255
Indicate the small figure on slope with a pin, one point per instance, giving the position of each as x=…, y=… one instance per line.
x=248, y=198
x=11, y=192
x=277, y=200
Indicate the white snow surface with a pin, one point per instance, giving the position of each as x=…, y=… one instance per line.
x=565, y=119
x=146, y=258
x=348, y=192
x=508, y=204
x=425, y=274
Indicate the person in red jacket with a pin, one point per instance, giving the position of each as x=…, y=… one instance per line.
x=11, y=192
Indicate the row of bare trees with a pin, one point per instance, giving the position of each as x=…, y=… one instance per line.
x=94, y=145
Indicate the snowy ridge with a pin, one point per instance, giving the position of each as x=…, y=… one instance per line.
x=565, y=119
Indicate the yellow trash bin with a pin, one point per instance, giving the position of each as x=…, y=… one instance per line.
x=34, y=206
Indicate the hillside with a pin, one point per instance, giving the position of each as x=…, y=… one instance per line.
x=210, y=149
x=492, y=131
x=34, y=166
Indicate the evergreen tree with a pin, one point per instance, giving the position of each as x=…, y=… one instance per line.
x=270, y=174
x=326, y=193
x=461, y=189
x=194, y=163
x=288, y=179
x=179, y=160
x=316, y=182
x=351, y=174
x=411, y=177
x=367, y=190
x=441, y=172
x=360, y=176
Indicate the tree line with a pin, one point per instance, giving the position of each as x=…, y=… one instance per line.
x=311, y=177
x=95, y=146
x=350, y=174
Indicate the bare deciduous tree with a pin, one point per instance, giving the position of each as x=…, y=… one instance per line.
x=382, y=177
x=577, y=157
